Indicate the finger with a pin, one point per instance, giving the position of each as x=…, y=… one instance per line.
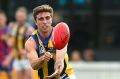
x=56, y=73
x=49, y=54
x=47, y=59
x=53, y=75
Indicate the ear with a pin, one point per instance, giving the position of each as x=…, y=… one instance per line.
x=35, y=22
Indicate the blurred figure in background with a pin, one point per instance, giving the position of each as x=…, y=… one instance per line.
x=89, y=55
x=6, y=55
x=20, y=31
x=76, y=56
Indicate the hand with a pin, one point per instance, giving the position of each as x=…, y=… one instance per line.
x=47, y=56
x=55, y=74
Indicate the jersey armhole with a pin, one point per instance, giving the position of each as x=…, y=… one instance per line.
x=36, y=41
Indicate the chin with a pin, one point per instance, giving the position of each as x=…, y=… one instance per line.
x=45, y=31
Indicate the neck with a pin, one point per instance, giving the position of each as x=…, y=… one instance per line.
x=45, y=34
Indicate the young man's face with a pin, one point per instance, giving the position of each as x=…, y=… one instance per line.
x=44, y=21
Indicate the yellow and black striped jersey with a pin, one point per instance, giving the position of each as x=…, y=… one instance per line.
x=19, y=37
x=47, y=68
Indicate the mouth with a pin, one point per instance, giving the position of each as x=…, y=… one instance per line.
x=45, y=27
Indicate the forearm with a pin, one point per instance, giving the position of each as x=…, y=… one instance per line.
x=37, y=63
x=59, y=60
x=59, y=63
x=60, y=54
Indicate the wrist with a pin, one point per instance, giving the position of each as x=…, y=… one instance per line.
x=42, y=58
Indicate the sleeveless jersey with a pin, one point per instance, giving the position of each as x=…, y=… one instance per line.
x=48, y=67
x=20, y=37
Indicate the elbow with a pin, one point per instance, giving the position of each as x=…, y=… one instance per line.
x=35, y=67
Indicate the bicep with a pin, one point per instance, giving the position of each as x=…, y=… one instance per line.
x=31, y=55
x=31, y=50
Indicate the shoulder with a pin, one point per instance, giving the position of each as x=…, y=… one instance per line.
x=34, y=32
x=30, y=43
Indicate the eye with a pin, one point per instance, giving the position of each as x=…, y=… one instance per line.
x=41, y=18
x=47, y=18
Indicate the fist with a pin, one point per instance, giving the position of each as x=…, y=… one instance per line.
x=47, y=56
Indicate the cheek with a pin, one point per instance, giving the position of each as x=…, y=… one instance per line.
x=50, y=21
x=38, y=23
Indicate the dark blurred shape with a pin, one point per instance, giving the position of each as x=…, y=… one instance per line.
x=57, y=18
x=109, y=40
x=62, y=3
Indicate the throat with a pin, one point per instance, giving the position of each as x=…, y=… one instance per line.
x=45, y=35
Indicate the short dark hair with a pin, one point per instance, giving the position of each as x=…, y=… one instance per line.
x=42, y=8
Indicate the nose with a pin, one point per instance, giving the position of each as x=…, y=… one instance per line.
x=44, y=21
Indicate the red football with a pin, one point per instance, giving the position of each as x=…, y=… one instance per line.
x=60, y=35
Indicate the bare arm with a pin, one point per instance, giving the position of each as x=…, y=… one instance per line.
x=59, y=64
x=36, y=62
x=60, y=55
x=30, y=47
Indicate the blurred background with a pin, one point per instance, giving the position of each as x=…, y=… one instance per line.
x=95, y=29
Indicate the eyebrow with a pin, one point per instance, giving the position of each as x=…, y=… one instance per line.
x=44, y=17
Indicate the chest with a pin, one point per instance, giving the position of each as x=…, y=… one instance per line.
x=45, y=48
x=19, y=32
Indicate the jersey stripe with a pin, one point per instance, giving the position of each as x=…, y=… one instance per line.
x=48, y=67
